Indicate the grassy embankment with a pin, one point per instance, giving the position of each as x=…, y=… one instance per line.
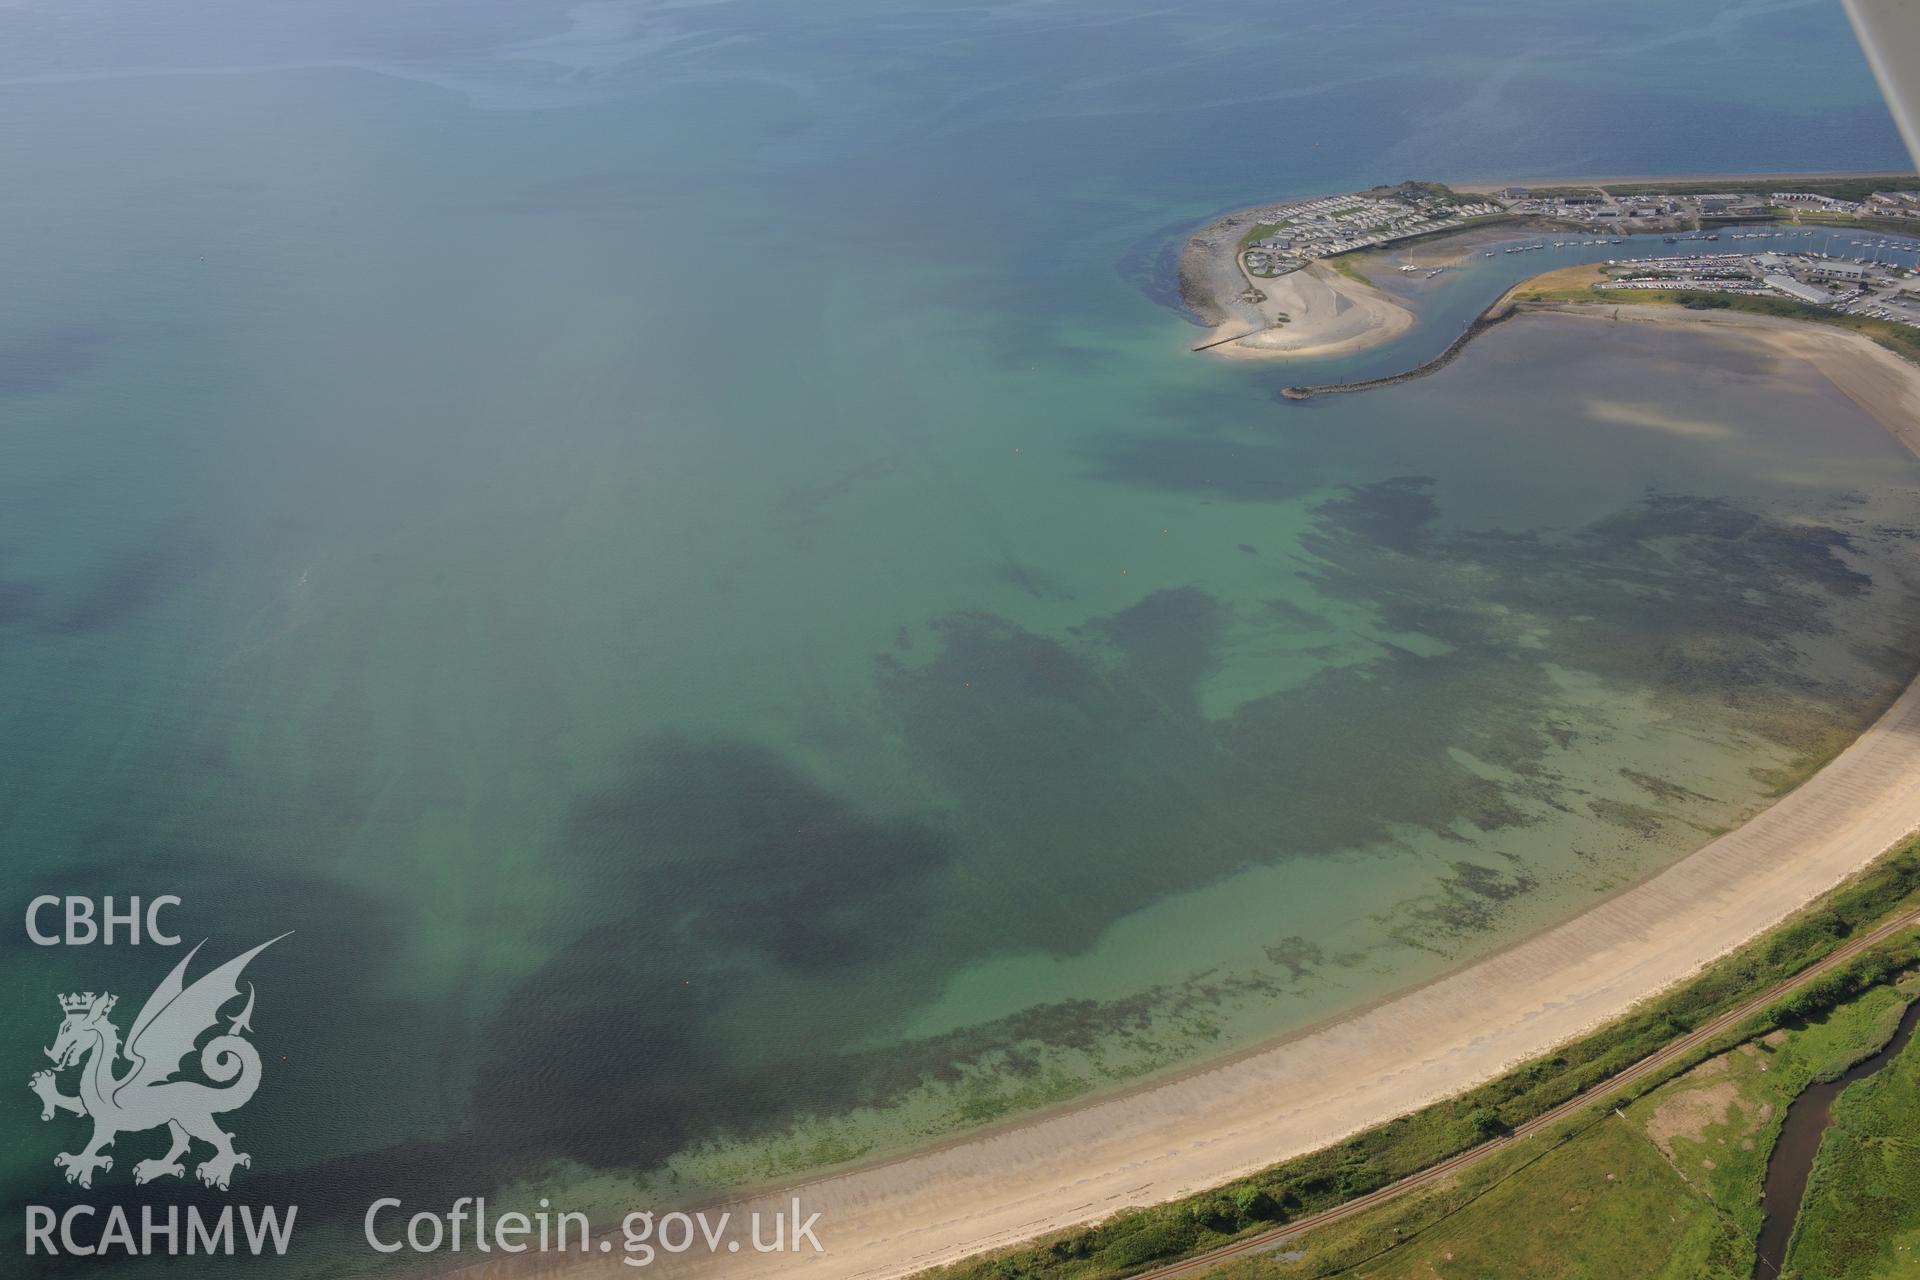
x=1261, y=230
x=1353, y=265
x=1576, y=284
x=1293, y=1189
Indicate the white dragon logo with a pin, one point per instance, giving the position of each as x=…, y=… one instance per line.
x=146, y=1097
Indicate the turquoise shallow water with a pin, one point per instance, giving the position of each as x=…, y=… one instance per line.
x=682, y=550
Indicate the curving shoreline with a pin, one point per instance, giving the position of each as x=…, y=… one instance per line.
x=1886, y=386
x=1224, y=1119
x=1313, y=312
x=1879, y=381
x=1228, y=1119
x=1315, y=309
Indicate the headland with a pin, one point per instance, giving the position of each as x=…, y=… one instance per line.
x=1290, y=278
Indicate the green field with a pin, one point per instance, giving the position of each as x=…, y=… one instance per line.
x=1606, y=1204
x=1261, y=230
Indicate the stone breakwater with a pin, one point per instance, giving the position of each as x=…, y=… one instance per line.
x=1493, y=315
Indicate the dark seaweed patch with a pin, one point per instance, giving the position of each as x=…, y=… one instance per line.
x=1490, y=882
x=129, y=585
x=1247, y=471
x=46, y=361
x=727, y=862
x=1169, y=640
x=604, y=996
x=753, y=856
x=1391, y=513
x=1079, y=780
x=1466, y=902
x=1747, y=543
x=1036, y=583
x=1664, y=790
x=1299, y=956
x=1636, y=818
x=20, y=602
x=1688, y=598
x=1092, y=750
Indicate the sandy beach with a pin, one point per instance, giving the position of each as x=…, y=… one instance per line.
x=1316, y=311
x=1230, y=1118
x=1326, y=314
x=1873, y=377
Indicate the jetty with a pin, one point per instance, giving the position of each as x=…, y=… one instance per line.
x=1493, y=315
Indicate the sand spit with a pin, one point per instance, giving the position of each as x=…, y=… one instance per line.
x=1315, y=311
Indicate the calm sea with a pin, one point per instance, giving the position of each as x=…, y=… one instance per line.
x=679, y=547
